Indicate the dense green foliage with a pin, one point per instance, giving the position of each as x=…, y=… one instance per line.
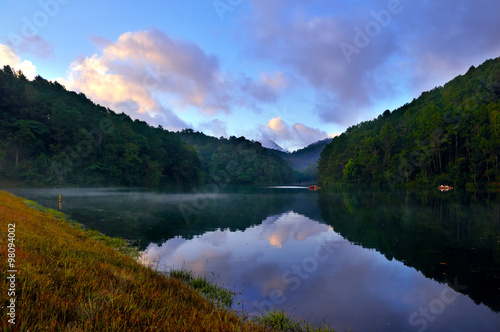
x=450, y=135
x=50, y=136
x=237, y=160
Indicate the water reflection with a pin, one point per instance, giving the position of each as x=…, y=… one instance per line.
x=144, y=217
x=386, y=261
x=297, y=264
x=443, y=236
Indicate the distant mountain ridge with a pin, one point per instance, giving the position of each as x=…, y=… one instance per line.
x=304, y=161
x=272, y=145
x=303, y=158
x=237, y=160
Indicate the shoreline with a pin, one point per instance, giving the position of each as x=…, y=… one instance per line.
x=89, y=281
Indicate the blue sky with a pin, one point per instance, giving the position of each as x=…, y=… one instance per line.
x=291, y=71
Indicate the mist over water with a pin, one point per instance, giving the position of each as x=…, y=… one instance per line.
x=389, y=261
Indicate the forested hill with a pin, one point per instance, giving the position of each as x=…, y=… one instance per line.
x=237, y=160
x=50, y=136
x=304, y=162
x=450, y=135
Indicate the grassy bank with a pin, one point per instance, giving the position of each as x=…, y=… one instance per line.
x=70, y=279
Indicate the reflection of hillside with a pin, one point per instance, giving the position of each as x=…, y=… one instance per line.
x=157, y=218
x=434, y=233
x=146, y=217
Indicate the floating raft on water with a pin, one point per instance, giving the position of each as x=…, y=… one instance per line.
x=313, y=187
x=445, y=188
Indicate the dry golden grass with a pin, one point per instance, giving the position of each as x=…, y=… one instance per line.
x=69, y=281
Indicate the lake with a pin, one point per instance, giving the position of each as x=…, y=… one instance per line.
x=364, y=260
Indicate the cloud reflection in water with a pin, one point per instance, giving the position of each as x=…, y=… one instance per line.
x=302, y=266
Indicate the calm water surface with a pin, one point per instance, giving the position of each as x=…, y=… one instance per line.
x=369, y=261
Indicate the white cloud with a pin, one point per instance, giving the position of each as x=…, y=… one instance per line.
x=290, y=137
x=9, y=57
x=147, y=72
x=119, y=92
x=93, y=77
x=279, y=128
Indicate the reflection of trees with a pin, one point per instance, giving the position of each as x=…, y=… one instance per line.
x=148, y=217
x=443, y=236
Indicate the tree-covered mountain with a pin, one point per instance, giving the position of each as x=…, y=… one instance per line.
x=304, y=162
x=50, y=137
x=450, y=135
x=237, y=160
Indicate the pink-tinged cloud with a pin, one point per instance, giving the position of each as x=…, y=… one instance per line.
x=437, y=40
x=149, y=72
x=291, y=137
x=121, y=93
x=276, y=80
x=9, y=57
x=171, y=66
x=143, y=65
x=279, y=128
